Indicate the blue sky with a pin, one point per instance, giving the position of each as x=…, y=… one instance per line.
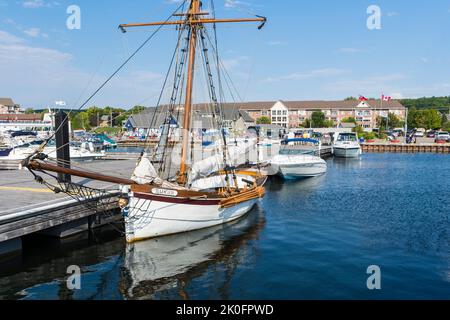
x=309, y=50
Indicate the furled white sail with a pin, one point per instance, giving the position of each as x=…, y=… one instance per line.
x=236, y=156
x=145, y=172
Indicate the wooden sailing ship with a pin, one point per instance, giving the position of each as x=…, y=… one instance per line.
x=200, y=195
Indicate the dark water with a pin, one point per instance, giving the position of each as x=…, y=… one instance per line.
x=312, y=239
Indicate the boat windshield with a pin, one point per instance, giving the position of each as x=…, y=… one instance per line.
x=347, y=137
x=293, y=152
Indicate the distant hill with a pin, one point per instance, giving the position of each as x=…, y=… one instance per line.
x=438, y=103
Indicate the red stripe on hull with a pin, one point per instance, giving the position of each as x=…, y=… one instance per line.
x=152, y=197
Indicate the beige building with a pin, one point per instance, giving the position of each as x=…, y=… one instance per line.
x=292, y=114
x=7, y=106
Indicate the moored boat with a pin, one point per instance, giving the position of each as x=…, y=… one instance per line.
x=182, y=194
x=347, y=145
x=297, y=166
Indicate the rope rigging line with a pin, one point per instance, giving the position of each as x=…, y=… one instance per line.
x=114, y=73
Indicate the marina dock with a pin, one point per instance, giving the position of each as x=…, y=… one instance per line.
x=29, y=208
x=405, y=148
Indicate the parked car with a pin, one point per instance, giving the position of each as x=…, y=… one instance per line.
x=398, y=132
x=420, y=133
x=431, y=134
x=442, y=136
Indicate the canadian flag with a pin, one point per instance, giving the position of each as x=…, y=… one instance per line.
x=362, y=98
x=386, y=98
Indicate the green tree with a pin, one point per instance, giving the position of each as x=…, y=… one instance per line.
x=351, y=99
x=318, y=119
x=29, y=111
x=264, y=120
x=307, y=123
x=349, y=120
x=359, y=130
x=425, y=118
x=412, y=118
x=444, y=119
x=395, y=122
x=392, y=122
x=329, y=124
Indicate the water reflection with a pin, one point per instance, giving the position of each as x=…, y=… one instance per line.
x=157, y=265
x=277, y=184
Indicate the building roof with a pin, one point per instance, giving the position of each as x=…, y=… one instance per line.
x=201, y=113
x=7, y=102
x=20, y=117
x=320, y=105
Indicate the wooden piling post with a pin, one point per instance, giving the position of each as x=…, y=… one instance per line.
x=62, y=144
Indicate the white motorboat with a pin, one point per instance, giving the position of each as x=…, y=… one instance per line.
x=347, y=145
x=22, y=152
x=297, y=166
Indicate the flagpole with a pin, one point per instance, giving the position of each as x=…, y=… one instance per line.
x=406, y=125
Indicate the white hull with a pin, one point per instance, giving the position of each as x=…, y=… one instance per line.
x=347, y=152
x=303, y=170
x=297, y=167
x=148, y=218
x=76, y=154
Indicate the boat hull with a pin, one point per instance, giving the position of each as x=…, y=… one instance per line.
x=150, y=217
x=342, y=152
x=302, y=171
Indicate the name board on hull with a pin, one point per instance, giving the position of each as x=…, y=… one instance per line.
x=165, y=192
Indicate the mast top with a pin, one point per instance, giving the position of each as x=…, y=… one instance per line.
x=194, y=17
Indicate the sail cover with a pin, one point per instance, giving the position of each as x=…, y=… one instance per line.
x=236, y=156
x=145, y=172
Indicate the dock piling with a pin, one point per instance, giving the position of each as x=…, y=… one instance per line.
x=62, y=144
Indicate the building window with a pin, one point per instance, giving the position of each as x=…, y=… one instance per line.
x=284, y=113
x=279, y=112
x=279, y=119
x=284, y=119
x=274, y=112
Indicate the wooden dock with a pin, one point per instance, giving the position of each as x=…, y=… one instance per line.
x=405, y=148
x=29, y=208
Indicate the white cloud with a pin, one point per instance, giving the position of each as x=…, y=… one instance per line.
x=277, y=43
x=32, y=32
x=392, y=14
x=318, y=73
x=397, y=95
x=234, y=63
x=349, y=50
x=33, y=4
x=235, y=4
x=54, y=76
x=370, y=85
x=7, y=38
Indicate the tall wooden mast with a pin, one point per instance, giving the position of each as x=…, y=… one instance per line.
x=194, y=19
x=192, y=16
